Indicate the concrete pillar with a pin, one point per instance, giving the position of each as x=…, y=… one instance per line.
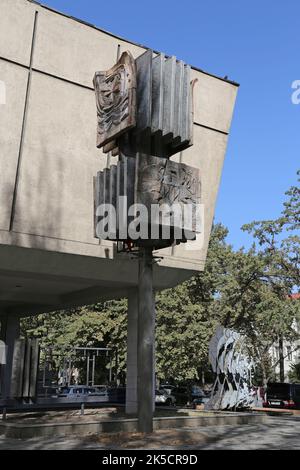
x=146, y=342
x=132, y=337
x=10, y=330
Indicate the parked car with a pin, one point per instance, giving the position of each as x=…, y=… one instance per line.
x=283, y=395
x=197, y=392
x=190, y=395
x=168, y=388
x=117, y=395
x=201, y=400
x=78, y=391
x=163, y=398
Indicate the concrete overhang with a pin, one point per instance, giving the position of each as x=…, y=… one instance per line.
x=49, y=258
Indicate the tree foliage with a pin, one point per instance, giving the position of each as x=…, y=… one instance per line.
x=247, y=290
x=279, y=241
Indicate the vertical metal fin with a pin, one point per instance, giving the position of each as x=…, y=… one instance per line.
x=144, y=91
x=169, y=98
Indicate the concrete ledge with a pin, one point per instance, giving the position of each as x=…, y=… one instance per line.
x=26, y=431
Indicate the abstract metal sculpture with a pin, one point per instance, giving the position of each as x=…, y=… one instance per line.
x=230, y=362
x=116, y=99
x=145, y=115
x=151, y=182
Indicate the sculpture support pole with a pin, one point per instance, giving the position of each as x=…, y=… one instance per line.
x=146, y=324
x=132, y=341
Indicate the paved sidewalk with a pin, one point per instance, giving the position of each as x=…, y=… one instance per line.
x=277, y=433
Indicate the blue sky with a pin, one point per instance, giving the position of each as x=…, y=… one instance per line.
x=255, y=43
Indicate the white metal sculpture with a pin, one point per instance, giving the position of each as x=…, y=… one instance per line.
x=232, y=365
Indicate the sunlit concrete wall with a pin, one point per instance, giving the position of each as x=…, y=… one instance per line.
x=48, y=158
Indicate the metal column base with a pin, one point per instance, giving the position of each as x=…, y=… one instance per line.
x=145, y=349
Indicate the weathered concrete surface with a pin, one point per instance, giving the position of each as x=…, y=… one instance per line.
x=11, y=115
x=16, y=21
x=95, y=426
x=132, y=338
x=214, y=101
x=146, y=342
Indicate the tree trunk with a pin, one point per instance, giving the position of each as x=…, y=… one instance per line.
x=281, y=359
x=265, y=378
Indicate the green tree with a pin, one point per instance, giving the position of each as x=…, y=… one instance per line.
x=186, y=317
x=279, y=241
x=100, y=325
x=279, y=248
x=294, y=374
x=183, y=330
